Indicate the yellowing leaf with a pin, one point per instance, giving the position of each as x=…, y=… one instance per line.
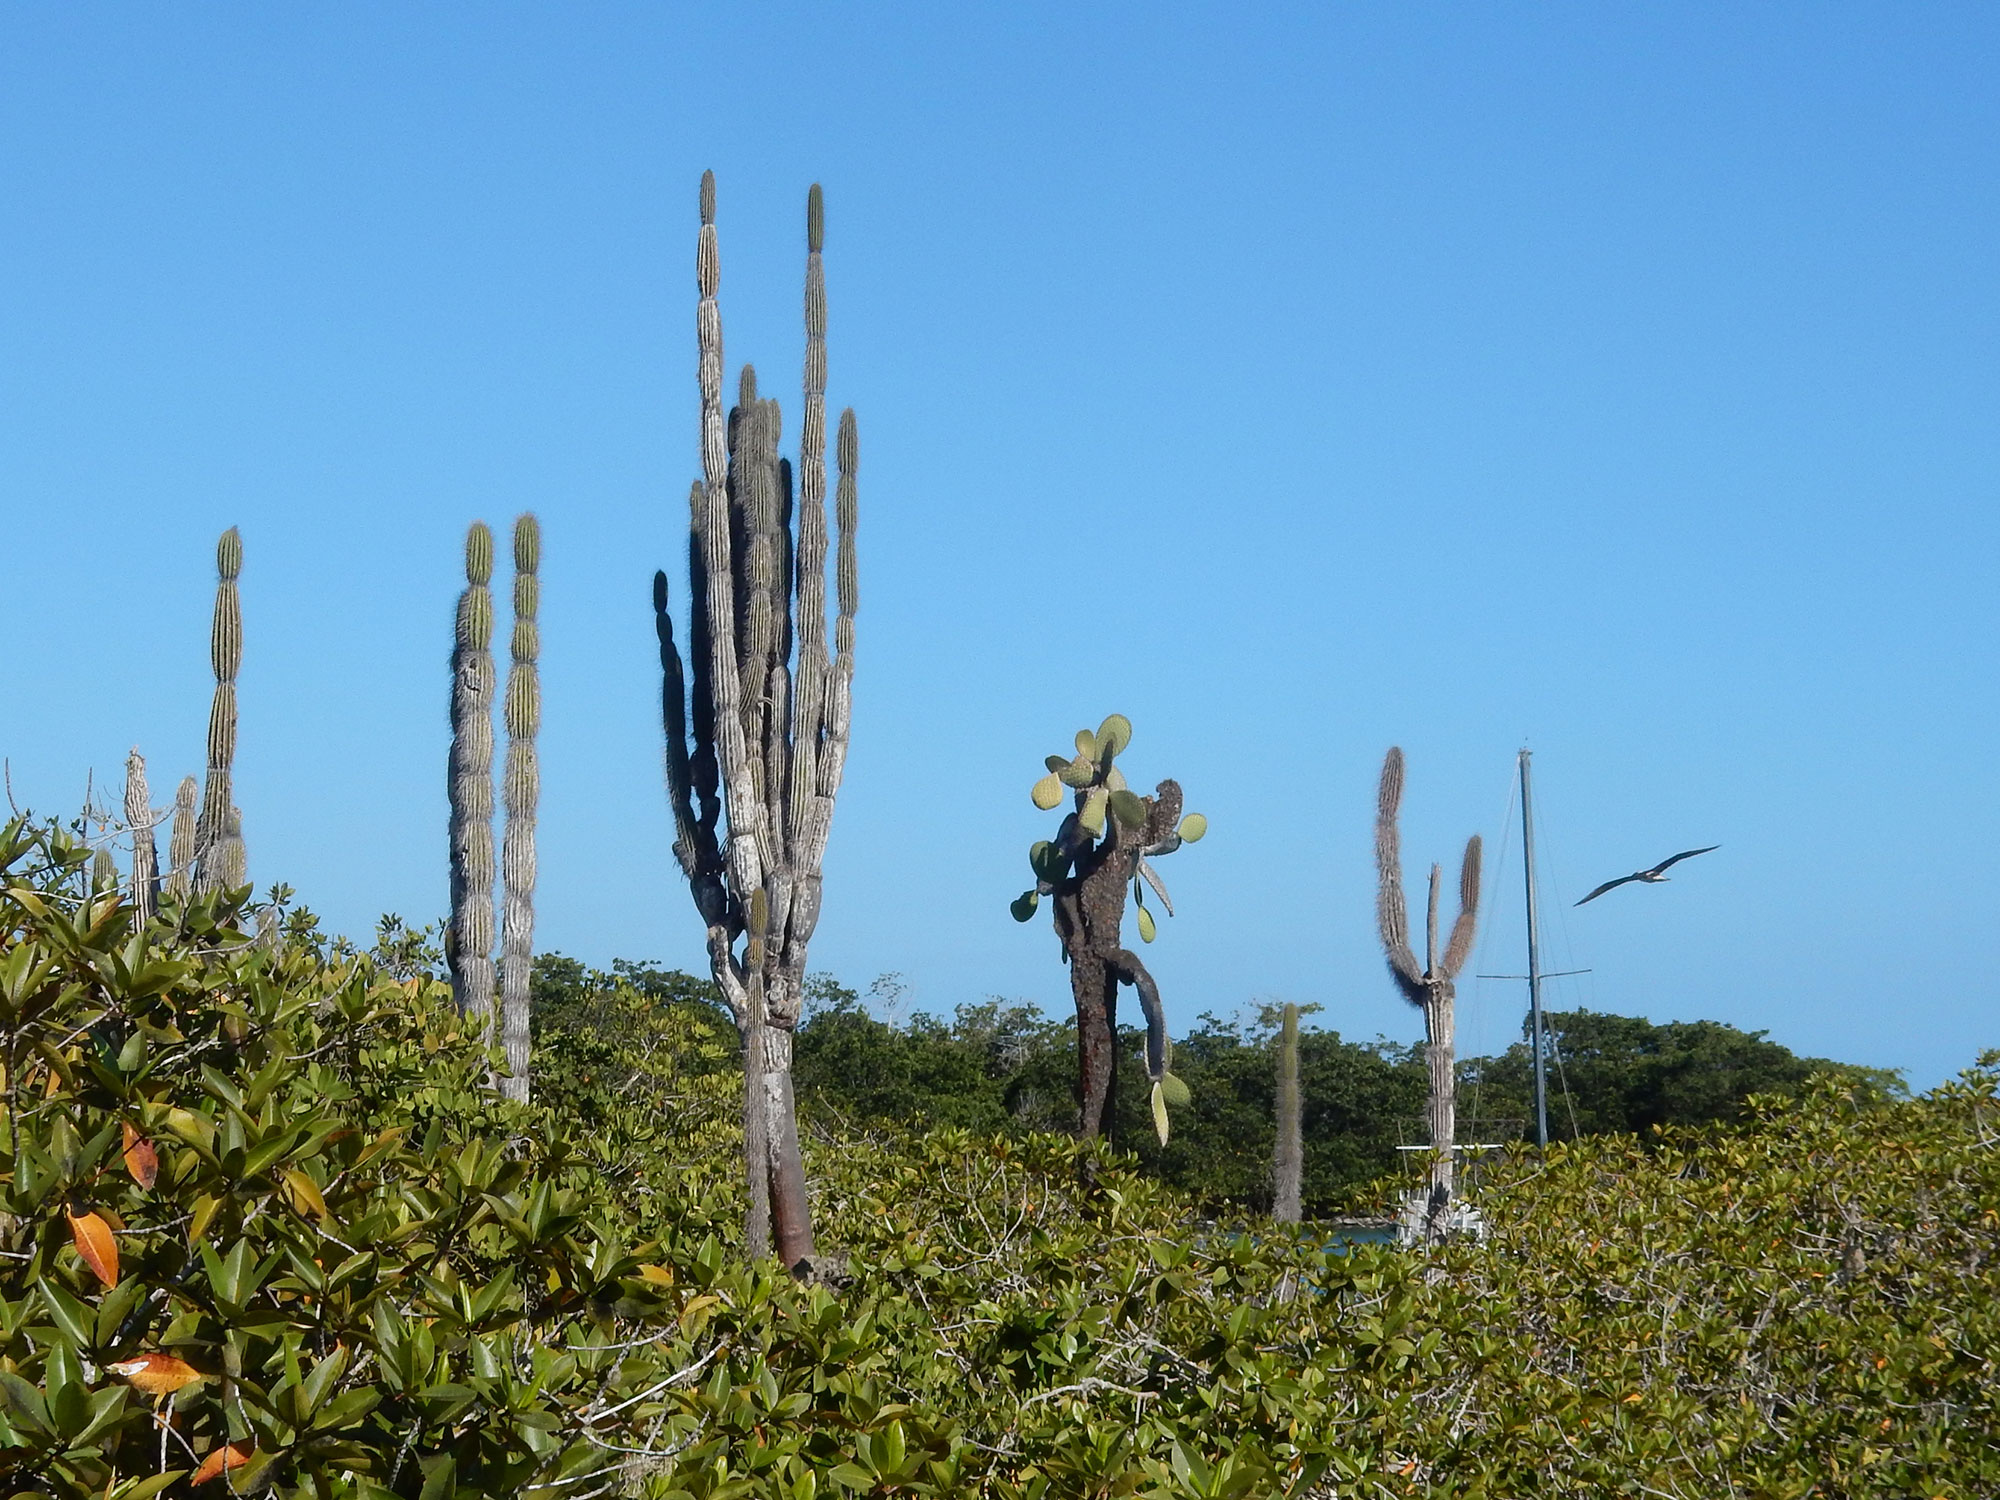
x=231, y=1456
x=95, y=1243
x=304, y=1193
x=204, y=1214
x=157, y=1374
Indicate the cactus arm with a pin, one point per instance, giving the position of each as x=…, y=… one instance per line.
x=1152, y=878
x=1431, y=925
x=809, y=699
x=1460, y=947
x=522, y=791
x=744, y=854
x=469, y=782
x=1288, y=1158
x=145, y=852
x=184, y=840
x=1391, y=916
x=1127, y=966
x=225, y=649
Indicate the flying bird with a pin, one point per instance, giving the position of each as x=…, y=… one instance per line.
x=1652, y=877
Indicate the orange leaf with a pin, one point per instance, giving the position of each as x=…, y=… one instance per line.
x=141, y=1160
x=95, y=1244
x=234, y=1456
x=156, y=1374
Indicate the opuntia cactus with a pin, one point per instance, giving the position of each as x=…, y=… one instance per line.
x=523, y=787
x=1102, y=849
x=761, y=731
x=145, y=852
x=469, y=775
x=215, y=865
x=1289, y=1158
x=1430, y=988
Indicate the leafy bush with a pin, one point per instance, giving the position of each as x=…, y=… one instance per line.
x=390, y=1281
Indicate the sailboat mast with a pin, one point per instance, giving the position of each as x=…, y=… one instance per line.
x=1534, y=957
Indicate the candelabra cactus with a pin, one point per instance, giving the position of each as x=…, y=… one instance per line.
x=219, y=857
x=1288, y=1160
x=182, y=843
x=470, y=783
x=761, y=731
x=145, y=852
x=1101, y=851
x=522, y=790
x=1430, y=988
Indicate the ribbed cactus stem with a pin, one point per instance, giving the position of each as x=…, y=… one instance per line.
x=1289, y=1157
x=145, y=851
x=183, y=841
x=103, y=870
x=225, y=649
x=469, y=780
x=521, y=791
x=232, y=864
x=756, y=717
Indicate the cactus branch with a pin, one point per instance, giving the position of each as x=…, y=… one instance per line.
x=1288, y=1158
x=145, y=852
x=469, y=783
x=522, y=791
x=225, y=649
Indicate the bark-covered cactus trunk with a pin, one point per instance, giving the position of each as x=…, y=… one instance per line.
x=469, y=784
x=523, y=789
x=758, y=730
x=219, y=857
x=1288, y=1158
x=1101, y=853
x=1431, y=987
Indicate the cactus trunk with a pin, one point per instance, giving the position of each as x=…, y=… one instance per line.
x=761, y=730
x=145, y=852
x=218, y=857
x=1289, y=1157
x=183, y=841
x=522, y=792
x=1430, y=988
x=470, y=784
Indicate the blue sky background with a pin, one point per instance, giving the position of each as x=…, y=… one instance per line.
x=1618, y=381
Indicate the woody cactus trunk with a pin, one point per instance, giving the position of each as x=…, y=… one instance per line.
x=760, y=732
x=1288, y=1162
x=1102, y=850
x=1430, y=988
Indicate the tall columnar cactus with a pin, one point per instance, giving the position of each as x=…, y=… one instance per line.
x=1288, y=1162
x=1101, y=851
x=470, y=779
x=214, y=862
x=761, y=731
x=145, y=851
x=1430, y=988
x=523, y=789
x=184, y=842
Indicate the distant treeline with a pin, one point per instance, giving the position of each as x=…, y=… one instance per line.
x=1001, y=1067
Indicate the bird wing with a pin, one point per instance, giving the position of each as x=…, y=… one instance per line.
x=1608, y=885
x=1684, y=854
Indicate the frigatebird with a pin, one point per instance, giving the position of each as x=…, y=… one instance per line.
x=1652, y=877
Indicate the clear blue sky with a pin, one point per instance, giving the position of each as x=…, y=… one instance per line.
x=1617, y=380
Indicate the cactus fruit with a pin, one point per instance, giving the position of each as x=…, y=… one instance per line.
x=1432, y=987
x=1100, y=850
x=522, y=791
x=145, y=852
x=1288, y=1158
x=757, y=713
x=469, y=783
x=225, y=650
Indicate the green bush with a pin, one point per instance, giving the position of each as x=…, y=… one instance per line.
x=393, y=1282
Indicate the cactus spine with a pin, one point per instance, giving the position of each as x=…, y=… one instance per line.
x=214, y=863
x=470, y=781
x=1289, y=1159
x=145, y=852
x=522, y=791
x=1430, y=988
x=761, y=731
x=183, y=843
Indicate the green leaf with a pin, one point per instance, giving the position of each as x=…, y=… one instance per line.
x=1193, y=826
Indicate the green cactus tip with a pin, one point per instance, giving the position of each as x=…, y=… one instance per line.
x=1047, y=792
x=1023, y=906
x=1127, y=807
x=1193, y=826
x=1148, y=928
x=1113, y=735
